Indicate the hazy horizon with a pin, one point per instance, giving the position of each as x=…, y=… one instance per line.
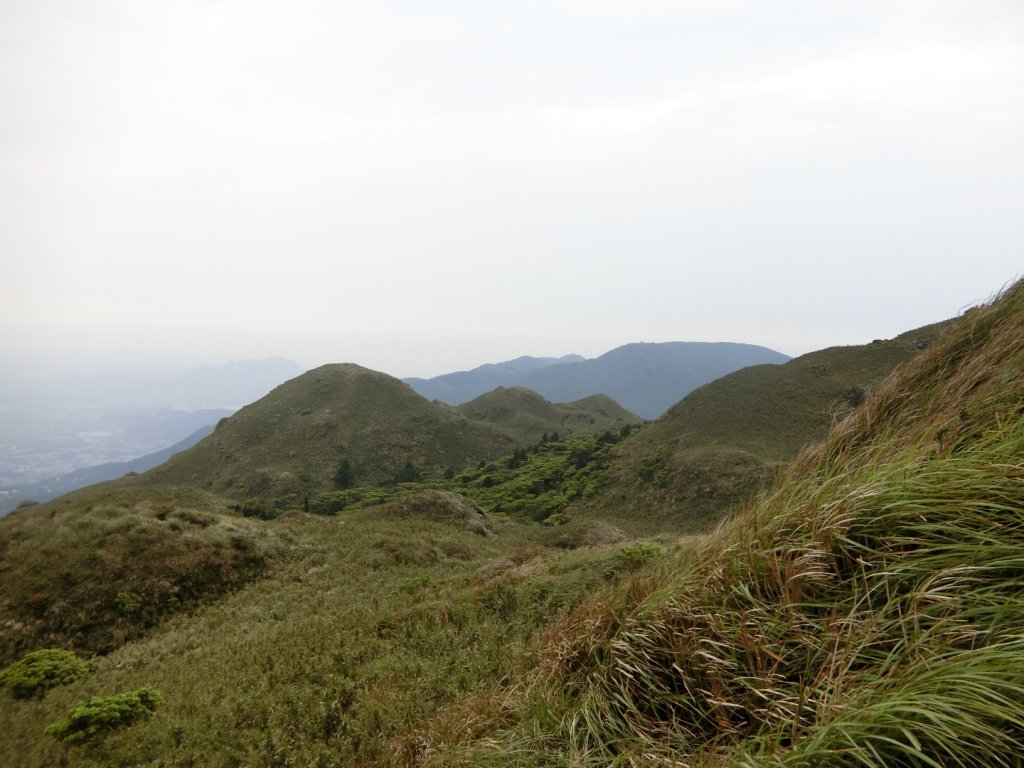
x=425, y=188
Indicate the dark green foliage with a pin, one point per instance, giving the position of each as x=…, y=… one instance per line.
x=101, y=714
x=40, y=670
x=344, y=477
x=260, y=508
x=407, y=474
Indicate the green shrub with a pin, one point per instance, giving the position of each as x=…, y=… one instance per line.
x=43, y=669
x=92, y=718
x=633, y=556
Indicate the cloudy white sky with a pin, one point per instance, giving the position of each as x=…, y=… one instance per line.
x=426, y=186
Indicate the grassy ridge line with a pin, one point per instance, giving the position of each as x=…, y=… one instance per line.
x=726, y=440
x=867, y=611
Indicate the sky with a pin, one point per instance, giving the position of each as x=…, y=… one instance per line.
x=425, y=187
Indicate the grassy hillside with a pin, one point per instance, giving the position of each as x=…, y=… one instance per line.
x=866, y=611
x=93, y=571
x=360, y=628
x=294, y=440
x=527, y=416
x=725, y=440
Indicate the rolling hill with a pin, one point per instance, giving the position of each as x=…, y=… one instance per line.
x=293, y=440
x=527, y=416
x=865, y=611
x=726, y=439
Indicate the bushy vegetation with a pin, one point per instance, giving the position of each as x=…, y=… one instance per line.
x=37, y=671
x=101, y=714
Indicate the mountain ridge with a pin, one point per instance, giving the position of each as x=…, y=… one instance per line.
x=644, y=377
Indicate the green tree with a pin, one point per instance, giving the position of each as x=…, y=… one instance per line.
x=344, y=477
x=407, y=474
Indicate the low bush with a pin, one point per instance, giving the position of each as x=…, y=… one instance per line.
x=100, y=714
x=41, y=670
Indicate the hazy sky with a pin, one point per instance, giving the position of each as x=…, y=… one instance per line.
x=425, y=186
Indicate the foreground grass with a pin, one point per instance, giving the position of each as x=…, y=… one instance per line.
x=361, y=630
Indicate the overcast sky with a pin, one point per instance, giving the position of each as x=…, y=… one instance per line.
x=421, y=187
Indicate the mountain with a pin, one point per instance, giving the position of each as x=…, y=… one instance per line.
x=726, y=439
x=527, y=416
x=864, y=610
x=462, y=386
x=294, y=439
x=43, y=490
x=644, y=378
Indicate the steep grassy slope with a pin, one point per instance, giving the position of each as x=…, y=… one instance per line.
x=867, y=611
x=294, y=439
x=527, y=416
x=725, y=440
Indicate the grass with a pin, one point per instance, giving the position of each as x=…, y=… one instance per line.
x=92, y=577
x=723, y=442
x=866, y=611
x=370, y=624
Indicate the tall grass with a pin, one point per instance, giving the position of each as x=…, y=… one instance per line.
x=867, y=611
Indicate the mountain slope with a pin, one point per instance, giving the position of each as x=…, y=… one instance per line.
x=866, y=611
x=723, y=441
x=294, y=439
x=527, y=416
x=462, y=386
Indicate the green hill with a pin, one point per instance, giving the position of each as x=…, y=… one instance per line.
x=725, y=440
x=527, y=416
x=293, y=440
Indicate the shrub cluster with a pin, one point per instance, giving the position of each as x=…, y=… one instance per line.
x=100, y=714
x=41, y=670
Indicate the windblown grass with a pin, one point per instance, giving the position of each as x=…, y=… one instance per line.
x=867, y=611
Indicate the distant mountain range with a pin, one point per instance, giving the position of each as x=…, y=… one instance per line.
x=644, y=378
